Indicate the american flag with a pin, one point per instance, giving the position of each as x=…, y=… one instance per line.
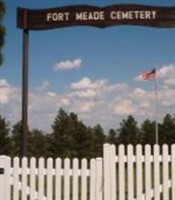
x=148, y=75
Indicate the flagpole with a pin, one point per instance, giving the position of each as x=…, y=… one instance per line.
x=156, y=109
x=152, y=75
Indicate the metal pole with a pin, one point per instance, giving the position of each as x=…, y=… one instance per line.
x=156, y=110
x=25, y=92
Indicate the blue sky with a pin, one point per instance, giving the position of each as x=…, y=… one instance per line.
x=92, y=72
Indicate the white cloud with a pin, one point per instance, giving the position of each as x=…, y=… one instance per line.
x=123, y=107
x=145, y=104
x=167, y=75
x=8, y=92
x=4, y=95
x=52, y=94
x=139, y=95
x=10, y=101
x=167, y=97
x=5, y=91
x=68, y=65
x=65, y=101
x=84, y=83
x=3, y=83
x=170, y=81
x=166, y=71
x=89, y=93
x=87, y=88
x=86, y=107
x=139, y=91
x=87, y=83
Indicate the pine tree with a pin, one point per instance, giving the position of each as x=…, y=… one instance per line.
x=168, y=130
x=128, y=131
x=70, y=137
x=147, y=132
x=99, y=139
x=5, y=145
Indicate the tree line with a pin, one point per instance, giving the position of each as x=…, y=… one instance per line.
x=70, y=137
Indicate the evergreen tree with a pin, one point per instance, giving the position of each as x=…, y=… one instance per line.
x=98, y=140
x=16, y=138
x=37, y=144
x=128, y=131
x=168, y=130
x=112, y=137
x=70, y=137
x=147, y=132
x=5, y=145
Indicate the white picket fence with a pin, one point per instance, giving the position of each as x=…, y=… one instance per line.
x=130, y=175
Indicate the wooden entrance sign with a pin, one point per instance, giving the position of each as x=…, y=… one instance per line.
x=101, y=17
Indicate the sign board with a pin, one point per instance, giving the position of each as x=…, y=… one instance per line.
x=81, y=15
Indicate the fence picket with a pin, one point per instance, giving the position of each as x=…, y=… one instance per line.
x=165, y=172
x=24, y=178
x=98, y=179
x=75, y=181
x=113, y=176
x=147, y=172
x=7, y=180
x=41, y=181
x=58, y=182
x=92, y=179
x=156, y=172
x=121, y=163
x=106, y=161
x=139, y=173
x=33, y=194
x=84, y=179
x=16, y=178
x=49, y=179
x=66, y=179
x=130, y=173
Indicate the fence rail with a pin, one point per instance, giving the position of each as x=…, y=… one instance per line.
x=134, y=173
